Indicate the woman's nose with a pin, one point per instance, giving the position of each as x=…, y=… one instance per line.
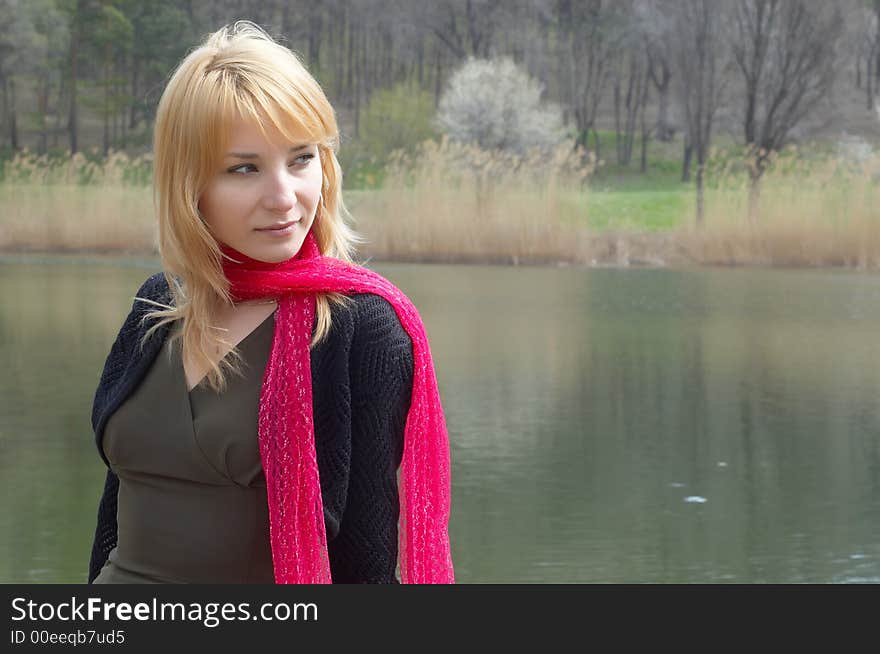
x=280, y=193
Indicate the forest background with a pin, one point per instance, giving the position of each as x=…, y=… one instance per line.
x=593, y=132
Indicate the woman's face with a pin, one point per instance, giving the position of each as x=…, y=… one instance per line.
x=263, y=197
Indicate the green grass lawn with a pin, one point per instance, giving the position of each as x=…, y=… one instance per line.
x=640, y=210
x=621, y=197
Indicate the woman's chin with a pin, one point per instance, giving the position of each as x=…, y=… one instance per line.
x=276, y=253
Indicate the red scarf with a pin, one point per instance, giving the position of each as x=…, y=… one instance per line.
x=286, y=428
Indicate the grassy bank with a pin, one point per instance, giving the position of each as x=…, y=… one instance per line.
x=447, y=202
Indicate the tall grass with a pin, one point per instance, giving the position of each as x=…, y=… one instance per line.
x=454, y=202
x=72, y=218
x=813, y=210
x=71, y=203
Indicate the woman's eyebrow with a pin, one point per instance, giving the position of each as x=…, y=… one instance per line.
x=251, y=155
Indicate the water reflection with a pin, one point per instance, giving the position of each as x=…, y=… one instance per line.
x=606, y=426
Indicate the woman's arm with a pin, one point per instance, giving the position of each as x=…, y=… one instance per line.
x=381, y=375
x=126, y=348
x=118, y=363
x=105, y=532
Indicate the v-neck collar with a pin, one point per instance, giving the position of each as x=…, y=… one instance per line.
x=239, y=345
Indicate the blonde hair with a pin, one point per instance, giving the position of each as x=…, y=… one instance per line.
x=238, y=70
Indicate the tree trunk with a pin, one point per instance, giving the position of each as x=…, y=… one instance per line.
x=636, y=97
x=643, y=160
x=12, y=115
x=74, y=47
x=56, y=127
x=700, y=207
x=658, y=72
x=664, y=131
x=420, y=59
x=5, y=104
x=314, y=36
x=5, y=101
x=617, y=128
x=877, y=54
x=114, y=123
x=564, y=48
x=437, y=78
x=686, y=162
x=358, y=81
x=386, y=79
x=349, y=73
x=583, y=133
x=43, y=111
x=123, y=123
x=135, y=78
x=105, y=144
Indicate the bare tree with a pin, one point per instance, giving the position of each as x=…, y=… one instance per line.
x=655, y=26
x=699, y=59
x=589, y=35
x=861, y=44
x=785, y=50
x=870, y=50
x=661, y=76
x=629, y=76
x=465, y=27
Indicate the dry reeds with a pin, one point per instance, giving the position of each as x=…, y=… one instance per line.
x=810, y=211
x=75, y=203
x=454, y=202
x=69, y=218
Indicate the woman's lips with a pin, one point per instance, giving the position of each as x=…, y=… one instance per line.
x=280, y=230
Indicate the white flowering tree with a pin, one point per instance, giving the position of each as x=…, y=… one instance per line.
x=498, y=106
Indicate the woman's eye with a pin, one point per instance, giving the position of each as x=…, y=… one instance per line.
x=300, y=162
x=308, y=157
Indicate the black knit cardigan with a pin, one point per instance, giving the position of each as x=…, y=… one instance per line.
x=361, y=389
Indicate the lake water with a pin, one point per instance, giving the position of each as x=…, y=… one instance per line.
x=606, y=426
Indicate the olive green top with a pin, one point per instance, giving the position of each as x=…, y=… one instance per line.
x=192, y=502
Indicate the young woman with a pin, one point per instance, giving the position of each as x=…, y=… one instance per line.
x=264, y=390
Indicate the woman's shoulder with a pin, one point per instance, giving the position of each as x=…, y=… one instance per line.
x=155, y=288
x=377, y=319
x=154, y=293
x=382, y=357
